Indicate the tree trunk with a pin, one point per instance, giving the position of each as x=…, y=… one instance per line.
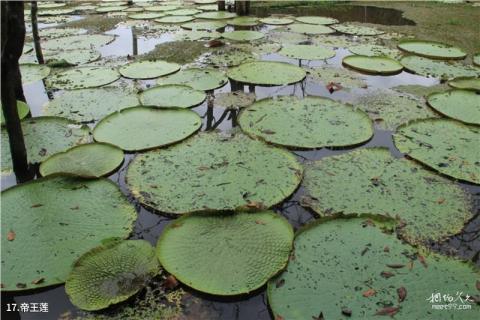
x=36, y=37
x=221, y=5
x=242, y=7
x=13, y=37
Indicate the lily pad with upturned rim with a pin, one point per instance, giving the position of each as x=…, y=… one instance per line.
x=244, y=21
x=204, y=79
x=174, y=19
x=77, y=42
x=92, y=160
x=316, y=20
x=44, y=136
x=438, y=69
x=276, y=21
x=251, y=246
x=457, y=156
x=172, y=95
x=216, y=15
x=146, y=15
x=51, y=218
x=198, y=35
x=83, y=77
x=227, y=57
x=73, y=57
x=357, y=30
x=22, y=108
x=344, y=269
x=183, y=12
x=213, y=172
x=142, y=128
x=111, y=273
x=373, y=65
x=204, y=25
x=307, y=52
x=88, y=105
x=428, y=206
x=148, y=69
x=309, y=28
x=266, y=73
x=462, y=105
x=466, y=83
x=243, y=35
x=308, y=123
x=33, y=72
x=372, y=50
x=432, y=49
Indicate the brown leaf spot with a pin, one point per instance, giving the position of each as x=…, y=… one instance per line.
x=386, y=249
x=260, y=222
x=387, y=311
x=38, y=281
x=369, y=293
x=386, y=274
x=279, y=283
x=279, y=317
x=37, y=205
x=11, y=235
x=170, y=282
x=395, y=266
x=402, y=294
x=21, y=285
x=441, y=200
x=347, y=312
x=42, y=152
x=422, y=261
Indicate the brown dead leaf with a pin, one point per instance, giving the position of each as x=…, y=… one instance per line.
x=402, y=294
x=333, y=86
x=441, y=200
x=386, y=274
x=11, y=235
x=170, y=282
x=387, y=311
x=422, y=261
x=260, y=222
x=369, y=293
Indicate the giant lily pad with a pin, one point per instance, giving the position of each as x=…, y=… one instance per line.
x=463, y=105
x=227, y=57
x=476, y=59
x=198, y=78
x=206, y=26
x=371, y=50
x=276, y=21
x=234, y=100
x=219, y=173
x=148, y=69
x=44, y=136
x=163, y=7
x=431, y=49
x=429, y=206
x=457, y=156
x=84, y=77
x=61, y=218
x=197, y=35
x=88, y=105
x=174, y=19
x=142, y=128
x=72, y=57
x=357, y=30
x=309, y=28
x=311, y=122
x=467, y=83
x=267, y=73
x=306, y=52
x=55, y=12
x=111, y=273
x=345, y=269
x=438, y=69
x=33, y=72
x=346, y=78
x=22, y=108
x=77, y=42
x=243, y=21
x=146, y=15
x=215, y=15
x=172, y=95
x=110, y=9
x=316, y=20
x=183, y=12
x=286, y=37
x=390, y=109
x=251, y=246
x=91, y=160
x=243, y=35
x=374, y=65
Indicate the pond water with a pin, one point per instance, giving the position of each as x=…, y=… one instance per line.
x=150, y=225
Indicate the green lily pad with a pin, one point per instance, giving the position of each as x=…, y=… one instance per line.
x=243, y=21
x=286, y=37
x=84, y=77
x=372, y=50
x=309, y=28
x=143, y=128
x=110, y=9
x=316, y=20
x=306, y=52
x=148, y=69
x=208, y=7
x=462, y=105
x=174, y=19
x=51, y=33
x=243, y=35
x=346, y=78
x=227, y=57
x=55, y=12
x=88, y=105
x=457, y=156
x=215, y=15
x=57, y=217
x=72, y=57
x=234, y=100
x=267, y=73
x=183, y=12
x=390, y=109
x=467, y=83
x=146, y=15
x=82, y=41
x=226, y=173
x=373, y=65
x=260, y=48
x=44, y=136
x=251, y=246
x=91, y=160
x=204, y=1
x=33, y=72
x=432, y=49
x=51, y=5
x=308, y=123
x=276, y=21
x=429, y=206
x=198, y=35
x=438, y=69
x=22, y=108
x=204, y=79
x=165, y=7
x=172, y=95
x=357, y=30
x=204, y=26
x=343, y=269
x=111, y=273
x=476, y=59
